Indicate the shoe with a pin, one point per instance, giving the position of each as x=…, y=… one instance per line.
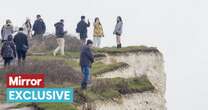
x=54, y=54
x=84, y=85
x=119, y=45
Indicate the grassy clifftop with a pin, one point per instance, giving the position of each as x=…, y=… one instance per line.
x=130, y=49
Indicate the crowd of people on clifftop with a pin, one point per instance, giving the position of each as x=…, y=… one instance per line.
x=15, y=42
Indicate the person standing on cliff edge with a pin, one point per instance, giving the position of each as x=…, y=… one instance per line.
x=27, y=26
x=39, y=28
x=59, y=27
x=86, y=60
x=118, y=31
x=82, y=29
x=97, y=33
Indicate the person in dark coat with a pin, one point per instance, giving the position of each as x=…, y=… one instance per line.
x=82, y=29
x=86, y=60
x=8, y=51
x=39, y=28
x=21, y=42
x=59, y=27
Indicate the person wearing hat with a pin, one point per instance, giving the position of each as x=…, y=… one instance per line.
x=59, y=27
x=82, y=29
x=39, y=28
x=86, y=60
x=7, y=30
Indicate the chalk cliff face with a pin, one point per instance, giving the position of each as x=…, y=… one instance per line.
x=140, y=63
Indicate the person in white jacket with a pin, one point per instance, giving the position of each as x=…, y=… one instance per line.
x=7, y=30
x=27, y=26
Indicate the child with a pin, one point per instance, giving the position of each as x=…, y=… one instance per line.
x=8, y=51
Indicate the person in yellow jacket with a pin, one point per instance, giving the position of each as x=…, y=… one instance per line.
x=97, y=33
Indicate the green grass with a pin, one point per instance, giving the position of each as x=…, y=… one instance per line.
x=101, y=89
x=68, y=54
x=2, y=95
x=114, y=50
x=99, y=68
x=109, y=50
x=74, y=64
x=49, y=106
x=57, y=106
x=70, y=62
x=108, y=89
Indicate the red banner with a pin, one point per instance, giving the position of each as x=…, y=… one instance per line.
x=25, y=80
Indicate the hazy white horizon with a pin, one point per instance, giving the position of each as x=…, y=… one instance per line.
x=177, y=27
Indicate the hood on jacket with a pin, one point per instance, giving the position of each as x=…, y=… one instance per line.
x=58, y=24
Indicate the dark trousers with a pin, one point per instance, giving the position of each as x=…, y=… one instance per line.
x=21, y=55
x=7, y=61
x=83, y=37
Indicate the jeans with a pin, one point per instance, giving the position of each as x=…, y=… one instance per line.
x=86, y=74
x=61, y=44
x=97, y=41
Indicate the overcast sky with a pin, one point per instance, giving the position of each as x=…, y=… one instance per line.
x=177, y=27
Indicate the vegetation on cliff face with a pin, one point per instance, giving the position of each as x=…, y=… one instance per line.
x=55, y=71
x=101, y=89
x=99, y=67
x=65, y=72
x=48, y=106
x=130, y=49
x=109, y=89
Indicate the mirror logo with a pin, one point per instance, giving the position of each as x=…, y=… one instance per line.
x=30, y=88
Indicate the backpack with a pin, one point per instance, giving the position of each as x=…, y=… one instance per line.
x=7, y=51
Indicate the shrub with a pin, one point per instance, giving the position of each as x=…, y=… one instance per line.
x=55, y=71
x=71, y=44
